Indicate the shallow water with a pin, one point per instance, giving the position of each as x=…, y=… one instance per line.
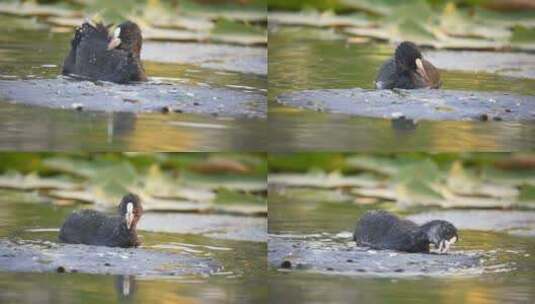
x=508, y=273
x=307, y=59
x=240, y=280
x=32, y=53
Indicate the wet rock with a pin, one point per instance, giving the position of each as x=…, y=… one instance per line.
x=29, y=257
x=149, y=96
x=415, y=104
x=320, y=256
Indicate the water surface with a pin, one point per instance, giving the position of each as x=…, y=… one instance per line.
x=509, y=275
x=27, y=52
x=306, y=59
x=240, y=280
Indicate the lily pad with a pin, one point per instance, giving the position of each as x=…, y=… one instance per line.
x=321, y=180
x=416, y=104
x=382, y=34
x=153, y=33
x=461, y=181
x=374, y=7
x=159, y=17
x=159, y=34
x=82, y=196
x=377, y=164
x=451, y=28
x=76, y=167
x=20, y=256
x=233, y=183
x=233, y=15
x=188, y=23
x=32, y=9
x=525, y=18
x=325, y=19
x=455, y=22
x=101, y=96
x=388, y=194
x=161, y=185
x=65, y=21
x=514, y=176
x=33, y=182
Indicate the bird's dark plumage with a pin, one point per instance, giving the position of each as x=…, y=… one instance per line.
x=96, y=55
x=382, y=230
x=96, y=228
x=407, y=70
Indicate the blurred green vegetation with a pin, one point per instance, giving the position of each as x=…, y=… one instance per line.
x=161, y=18
x=182, y=182
x=326, y=161
x=35, y=162
x=477, y=24
x=297, y=5
x=451, y=180
x=342, y=6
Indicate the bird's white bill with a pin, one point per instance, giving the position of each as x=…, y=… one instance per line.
x=420, y=68
x=115, y=40
x=444, y=245
x=129, y=215
x=126, y=286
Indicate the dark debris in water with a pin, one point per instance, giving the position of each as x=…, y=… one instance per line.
x=346, y=258
x=416, y=104
x=149, y=97
x=31, y=256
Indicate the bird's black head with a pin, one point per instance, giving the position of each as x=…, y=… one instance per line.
x=440, y=233
x=127, y=36
x=406, y=56
x=130, y=208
